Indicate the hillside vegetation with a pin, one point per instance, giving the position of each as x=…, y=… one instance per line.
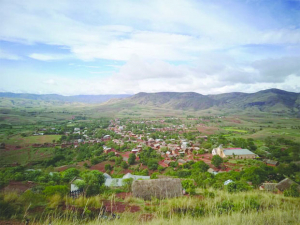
x=272, y=100
x=248, y=208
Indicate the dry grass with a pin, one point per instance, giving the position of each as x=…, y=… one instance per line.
x=158, y=188
x=247, y=208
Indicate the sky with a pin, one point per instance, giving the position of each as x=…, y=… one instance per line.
x=73, y=47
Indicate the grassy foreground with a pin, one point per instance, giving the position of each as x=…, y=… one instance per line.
x=208, y=207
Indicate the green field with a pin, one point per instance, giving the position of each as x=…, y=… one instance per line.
x=23, y=141
x=234, y=129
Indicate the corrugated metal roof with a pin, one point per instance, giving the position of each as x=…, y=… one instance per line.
x=114, y=182
x=135, y=177
x=238, y=152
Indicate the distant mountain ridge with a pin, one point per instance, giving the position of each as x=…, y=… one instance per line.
x=271, y=100
x=56, y=97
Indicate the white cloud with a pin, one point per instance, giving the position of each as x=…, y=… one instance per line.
x=167, y=45
x=152, y=30
x=50, y=82
x=49, y=57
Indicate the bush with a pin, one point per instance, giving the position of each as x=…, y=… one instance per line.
x=216, y=160
x=127, y=184
x=108, y=167
x=200, y=165
x=152, y=164
x=69, y=174
x=131, y=159
x=237, y=186
x=57, y=189
x=209, y=194
x=8, y=209
x=124, y=165
x=95, y=161
x=189, y=186
x=55, y=201
x=154, y=175
x=292, y=191
x=183, y=173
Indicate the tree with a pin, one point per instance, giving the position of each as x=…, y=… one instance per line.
x=200, y=165
x=292, y=191
x=131, y=159
x=127, y=184
x=255, y=174
x=69, y=174
x=189, y=186
x=118, y=160
x=94, y=180
x=57, y=189
x=108, y=167
x=152, y=164
x=237, y=186
x=124, y=165
x=216, y=160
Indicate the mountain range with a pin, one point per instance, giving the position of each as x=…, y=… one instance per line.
x=55, y=97
x=266, y=100
x=271, y=100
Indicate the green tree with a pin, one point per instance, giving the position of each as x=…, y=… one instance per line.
x=202, y=166
x=108, y=167
x=189, y=186
x=127, y=184
x=69, y=174
x=152, y=164
x=255, y=174
x=237, y=186
x=124, y=165
x=57, y=189
x=118, y=160
x=131, y=159
x=292, y=191
x=94, y=180
x=216, y=160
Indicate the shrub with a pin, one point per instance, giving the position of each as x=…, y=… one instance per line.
x=32, y=198
x=55, y=201
x=57, y=189
x=292, y=191
x=225, y=206
x=124, y=165
x=127, y=184
x=108, y=167
x=154, y=175
x=237, y=186
x=183, y=173
x=209, y=194
x=216, y=160
x=131, y=159
x=69, y=174
x=189, y=186
x=95, y=161
x=9, y=209
x=152, y=164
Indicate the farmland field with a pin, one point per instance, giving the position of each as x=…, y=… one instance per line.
x=39, y=139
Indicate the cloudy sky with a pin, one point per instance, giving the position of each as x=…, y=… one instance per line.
x=74, y=47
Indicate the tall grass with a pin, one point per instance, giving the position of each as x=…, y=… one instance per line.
x=253, y=207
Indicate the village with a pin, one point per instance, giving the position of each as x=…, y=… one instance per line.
x=123, y=164
x=125, y=139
